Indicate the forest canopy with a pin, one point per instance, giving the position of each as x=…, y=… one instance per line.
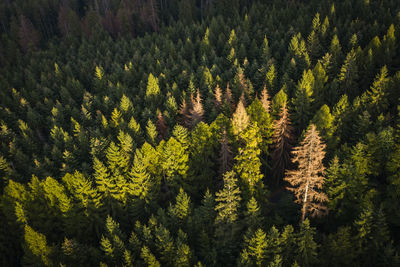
x=199, y=133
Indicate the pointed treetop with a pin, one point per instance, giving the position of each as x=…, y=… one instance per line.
x=265, y=99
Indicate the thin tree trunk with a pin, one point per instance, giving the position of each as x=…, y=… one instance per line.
x=303, y=215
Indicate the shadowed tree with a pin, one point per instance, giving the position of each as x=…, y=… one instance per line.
x=161, y=126
x=282, y=140
x=306, y=181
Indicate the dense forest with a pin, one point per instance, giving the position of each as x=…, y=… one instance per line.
x=199, y=133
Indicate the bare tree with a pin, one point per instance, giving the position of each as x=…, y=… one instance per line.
x=307, y=180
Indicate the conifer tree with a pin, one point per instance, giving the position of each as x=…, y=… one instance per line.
x=240, y=119
x=302, y=102
x=256, y=249
x=184, y=119
x=161, y=126
x=182, y=208
x=153, y=89
x=279, y=100
x=151, y=131
x=378, y=91
x=218, y=97
x=265, y=100
x=282, y=143
x=258, y=115
x=196, y=111
x=37, y=252
x=140, y=178
x=307, y=247
x=247, y=161
x=228, y=199
x=306, y=181
x=225, y=154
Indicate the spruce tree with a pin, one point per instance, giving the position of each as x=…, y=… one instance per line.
x=306, y=181
x=282, y=144
x=240, y=119
x=228, y=199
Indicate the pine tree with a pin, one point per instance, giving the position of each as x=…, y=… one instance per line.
x=37, y=251
x=152, y=89
x=28, y=35
x=228, y=199
x=255, y=252
x=282, y=141
x=196, y=111
x=270, y=78
x=161, y=126
x=258, y=115
x=378, y=91
x=307, y=247
x=307, y=180
x=247, y=161
x=149, y=258
x=348, y=75
x=240, y=119
x=279, y=100
x=151, y=131
x=182, y=208
x=253, y=216
x=218, y=97
x=225, y=154
x=265, y=100
x=302, y=102
x=140, y=178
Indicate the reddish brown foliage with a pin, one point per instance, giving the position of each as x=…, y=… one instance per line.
x=306, y=181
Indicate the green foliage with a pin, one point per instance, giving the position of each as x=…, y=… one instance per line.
x=137, y=133
x=228, y=199
x=37, y=252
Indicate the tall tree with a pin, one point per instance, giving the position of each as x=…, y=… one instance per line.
x=196, y=110
x=228, y=199
x=240, y=119
x=306, y=181
x=225, y=154
x=282, y=143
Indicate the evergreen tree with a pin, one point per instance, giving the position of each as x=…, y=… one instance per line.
x=307, y=254
x=256, y=250
x=282, y=140
x=302, y=102
x=247, y=161
x=228, y=199
x=225, y=154
x=240, y=119
x=37, y=252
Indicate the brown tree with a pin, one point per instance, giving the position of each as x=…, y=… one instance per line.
x=184, y=113
x=228, y=97
x=306, y=181
x=161, y=126
x=196, y=110
x=218, y=97
x=149, y=14
x=225, y=154
x=28, y=36
x=265, y=99
x=282, y=141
